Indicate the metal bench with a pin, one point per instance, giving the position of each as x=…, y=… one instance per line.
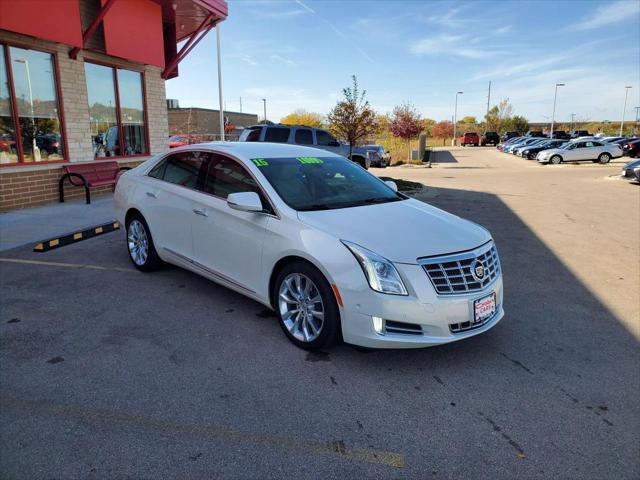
x=89, y=175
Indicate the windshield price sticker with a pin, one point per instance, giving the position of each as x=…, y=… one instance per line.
x=260, y=162
x=309, y=160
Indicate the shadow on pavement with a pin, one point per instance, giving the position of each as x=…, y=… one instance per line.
x=550, y=392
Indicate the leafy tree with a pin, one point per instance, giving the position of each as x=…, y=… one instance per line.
x=516, y=123
x=442, y=129
x=405, y=123
x=302, y=117
x=498, y=115
x=353, y=119
x=427, y=125
x=469, y=120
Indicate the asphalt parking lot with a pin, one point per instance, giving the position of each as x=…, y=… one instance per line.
x=106, y=372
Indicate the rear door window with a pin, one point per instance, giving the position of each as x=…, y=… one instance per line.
x=277, y=135
x=184, y=169
x=251, y=135
x=324, y=138
x=304, y=136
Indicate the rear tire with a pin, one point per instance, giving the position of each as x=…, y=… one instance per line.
x=556, y=159
x=306, y=306
x=604, y=158
x=142, y=251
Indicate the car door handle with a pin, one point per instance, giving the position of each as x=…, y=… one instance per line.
x=152, y=195
x=202, y=213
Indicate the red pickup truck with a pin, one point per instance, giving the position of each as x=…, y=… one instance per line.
x=470, y=138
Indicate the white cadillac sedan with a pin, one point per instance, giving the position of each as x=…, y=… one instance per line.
x=335, y=251
x=581, y=150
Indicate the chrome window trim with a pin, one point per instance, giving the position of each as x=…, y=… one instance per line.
x=234, y=159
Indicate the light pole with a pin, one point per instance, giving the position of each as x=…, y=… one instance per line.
x=35, y=150
x=455, y=121
x=626, y=92
x=264, y=104
x=573, y=119
x=221, y=119
x=553, y=115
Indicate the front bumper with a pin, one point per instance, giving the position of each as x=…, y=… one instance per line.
x=431, y=314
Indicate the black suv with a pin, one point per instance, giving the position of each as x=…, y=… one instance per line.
x=509, y=135
x=490, y=138
x=561, y=134
x=536, y=133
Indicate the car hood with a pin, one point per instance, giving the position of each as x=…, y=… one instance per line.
x=399, y=231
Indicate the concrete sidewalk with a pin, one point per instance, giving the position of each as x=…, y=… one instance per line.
x=31, y=225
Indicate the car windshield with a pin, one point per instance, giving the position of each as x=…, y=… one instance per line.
x=324, y=183
x=176, y=138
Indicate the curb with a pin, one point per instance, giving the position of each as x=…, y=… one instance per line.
x=75, y=237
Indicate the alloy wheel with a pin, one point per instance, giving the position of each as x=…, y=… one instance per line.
x=301, y=308
x=138, y=242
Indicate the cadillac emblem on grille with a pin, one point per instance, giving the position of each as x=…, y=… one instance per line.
x=477, y=271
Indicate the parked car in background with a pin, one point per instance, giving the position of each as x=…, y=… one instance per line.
x=333, y=250
x=561, y=134
x=580, y=133
x=306, y=136
x=470, y=138
x=631, y=148
x=182, y=140
x=581, y=151
x=490, y=138
x=379, y=156
x=529, y=143
x=509, y=135
x=531, y=151
x=503, y=145
x=535, y=133
x=612, y=139
x=521, y=143
x=631, y=171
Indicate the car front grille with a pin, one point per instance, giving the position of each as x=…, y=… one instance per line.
x=458, y=273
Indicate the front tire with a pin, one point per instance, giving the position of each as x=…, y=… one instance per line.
x=604, y=158
x=142, y=251
x=556, y=159
x=306, y=306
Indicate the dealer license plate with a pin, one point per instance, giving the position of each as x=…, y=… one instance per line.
x=484, y=308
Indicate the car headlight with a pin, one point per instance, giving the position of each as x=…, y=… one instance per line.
x=380, y=272
x=525, y=152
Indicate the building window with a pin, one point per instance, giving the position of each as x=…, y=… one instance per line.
x=30, y=125
x=116, y=110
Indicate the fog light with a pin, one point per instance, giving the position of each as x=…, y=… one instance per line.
x=378, y=325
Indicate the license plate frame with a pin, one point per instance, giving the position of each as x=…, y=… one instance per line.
x=484, y=308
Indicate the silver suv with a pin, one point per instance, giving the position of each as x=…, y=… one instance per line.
x=309, y=136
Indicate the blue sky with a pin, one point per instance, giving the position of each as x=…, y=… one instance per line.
x=300, y=54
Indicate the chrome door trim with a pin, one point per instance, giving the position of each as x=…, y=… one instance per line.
x=219, y=275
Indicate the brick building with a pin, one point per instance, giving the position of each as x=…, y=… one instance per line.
x=206, y=121
x=83, y=81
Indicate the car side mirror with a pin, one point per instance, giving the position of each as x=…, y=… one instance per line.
x=245, y=202
x=392, y=185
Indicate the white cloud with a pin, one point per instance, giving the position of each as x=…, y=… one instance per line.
x=609, y=14
x=244, y=58
x=281, y=59
x=456, y=45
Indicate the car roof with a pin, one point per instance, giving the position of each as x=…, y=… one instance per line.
x=249, y=150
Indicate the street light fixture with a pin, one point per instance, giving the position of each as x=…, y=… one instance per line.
x=455, y=121
x=264, y=104
x=626, y=92
x=553, y=115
